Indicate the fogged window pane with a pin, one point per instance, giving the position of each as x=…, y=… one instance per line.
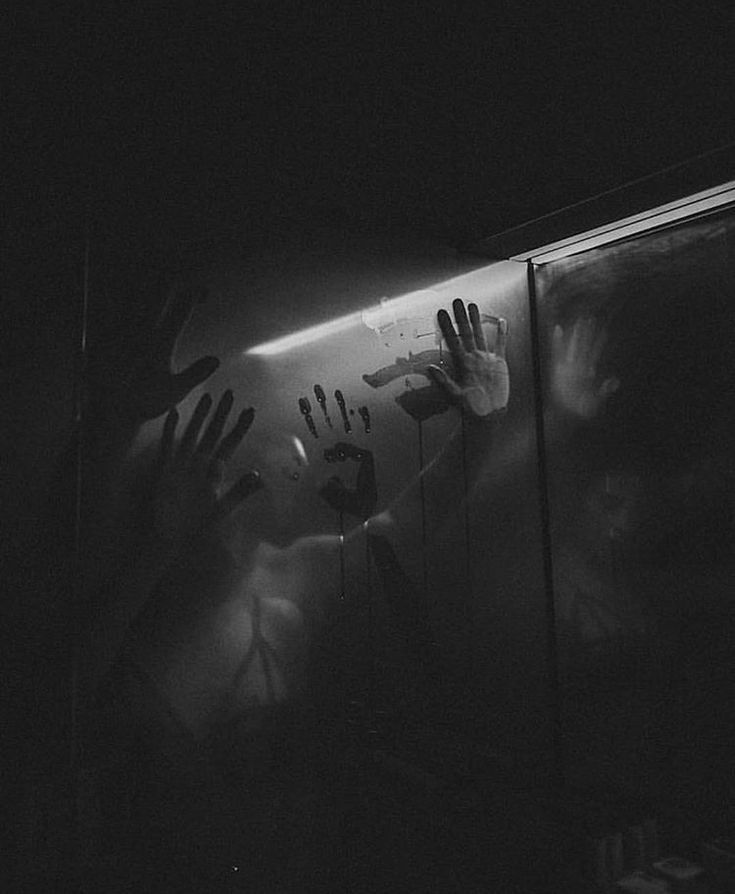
x=638, y=352
x=445, y=630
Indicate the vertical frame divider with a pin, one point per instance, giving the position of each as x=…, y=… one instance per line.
x=552, y=652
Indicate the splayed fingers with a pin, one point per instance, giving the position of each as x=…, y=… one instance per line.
x=480, y=383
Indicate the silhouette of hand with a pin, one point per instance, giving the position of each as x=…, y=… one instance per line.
x=480, y=382
x=146, y=388
x=575, y=385
x=188, y=495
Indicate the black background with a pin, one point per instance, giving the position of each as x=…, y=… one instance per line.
x=165, y=126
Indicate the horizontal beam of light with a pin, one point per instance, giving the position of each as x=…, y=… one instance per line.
x=692, y=206
x=378, y=314
x=305, y=336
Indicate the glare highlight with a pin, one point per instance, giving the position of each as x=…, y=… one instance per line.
x=305, y=336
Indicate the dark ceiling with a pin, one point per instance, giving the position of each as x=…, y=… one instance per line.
x=450, y=120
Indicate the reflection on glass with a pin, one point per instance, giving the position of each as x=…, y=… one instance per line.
x=641, y=505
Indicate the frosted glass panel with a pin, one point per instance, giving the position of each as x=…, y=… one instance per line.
x=465, y=545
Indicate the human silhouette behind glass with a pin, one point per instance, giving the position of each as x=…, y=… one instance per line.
x=290, y=585
x=219, y=638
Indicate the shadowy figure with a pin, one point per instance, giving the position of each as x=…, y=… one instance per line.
x=216, y=642
x=200, y=648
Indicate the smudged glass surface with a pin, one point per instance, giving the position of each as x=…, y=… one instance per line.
x=642, y=505
x=469, y=545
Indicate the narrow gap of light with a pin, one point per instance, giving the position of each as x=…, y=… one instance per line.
x=401, y=304
x=305, y=336
x=691, y=206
